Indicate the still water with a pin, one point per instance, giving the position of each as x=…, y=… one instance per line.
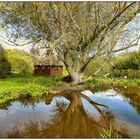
x=87, y=114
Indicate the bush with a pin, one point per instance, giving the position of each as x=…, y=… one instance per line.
x=127, y=65
x=129, y=73
x=128, y=61
x=5, y=66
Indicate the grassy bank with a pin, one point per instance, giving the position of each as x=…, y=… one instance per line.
x=120, y=81
x=13, y=88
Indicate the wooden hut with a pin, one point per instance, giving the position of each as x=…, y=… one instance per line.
x=48, y=70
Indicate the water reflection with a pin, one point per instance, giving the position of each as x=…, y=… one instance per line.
x=132, y=94
x=72, y=115
x=70, y=120
x=123, y=103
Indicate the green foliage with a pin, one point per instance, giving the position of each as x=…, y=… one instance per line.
x=97, y=67
x=20, y=61
x=127, y=65
x=128, y=61
x=129, y=73
x=5, y=66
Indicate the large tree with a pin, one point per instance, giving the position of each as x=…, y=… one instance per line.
x=76, y=32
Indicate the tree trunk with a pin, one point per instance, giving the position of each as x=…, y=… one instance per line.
x=75, y=73
x=76, y=76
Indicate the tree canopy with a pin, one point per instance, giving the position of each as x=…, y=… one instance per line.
x=76, y=32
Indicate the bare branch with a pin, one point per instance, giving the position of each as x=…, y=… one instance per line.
x=22, y=44
x=132, y=44
x=96, y=34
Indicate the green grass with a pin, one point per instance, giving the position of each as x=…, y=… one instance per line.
x=121, y=81
x=13, y=88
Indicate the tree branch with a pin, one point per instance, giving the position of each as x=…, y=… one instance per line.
x=129, y=46
x=70, y=14
x=96, y=34
x=22, y=44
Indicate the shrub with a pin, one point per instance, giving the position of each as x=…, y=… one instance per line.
x=128, y=61
x=129, y=73
x=127, y=65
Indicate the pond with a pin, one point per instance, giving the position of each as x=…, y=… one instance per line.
x=107, y=111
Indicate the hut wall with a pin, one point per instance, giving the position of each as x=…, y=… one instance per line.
x=56, y=71
x=49, y=71
x=42, y=71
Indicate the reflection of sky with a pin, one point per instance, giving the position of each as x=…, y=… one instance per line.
x=90, y=109
x=117, y=104
x=59, y=99
x=17, y=113
x=17, y=109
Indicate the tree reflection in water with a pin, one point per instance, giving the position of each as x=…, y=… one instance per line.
x=71, y=120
